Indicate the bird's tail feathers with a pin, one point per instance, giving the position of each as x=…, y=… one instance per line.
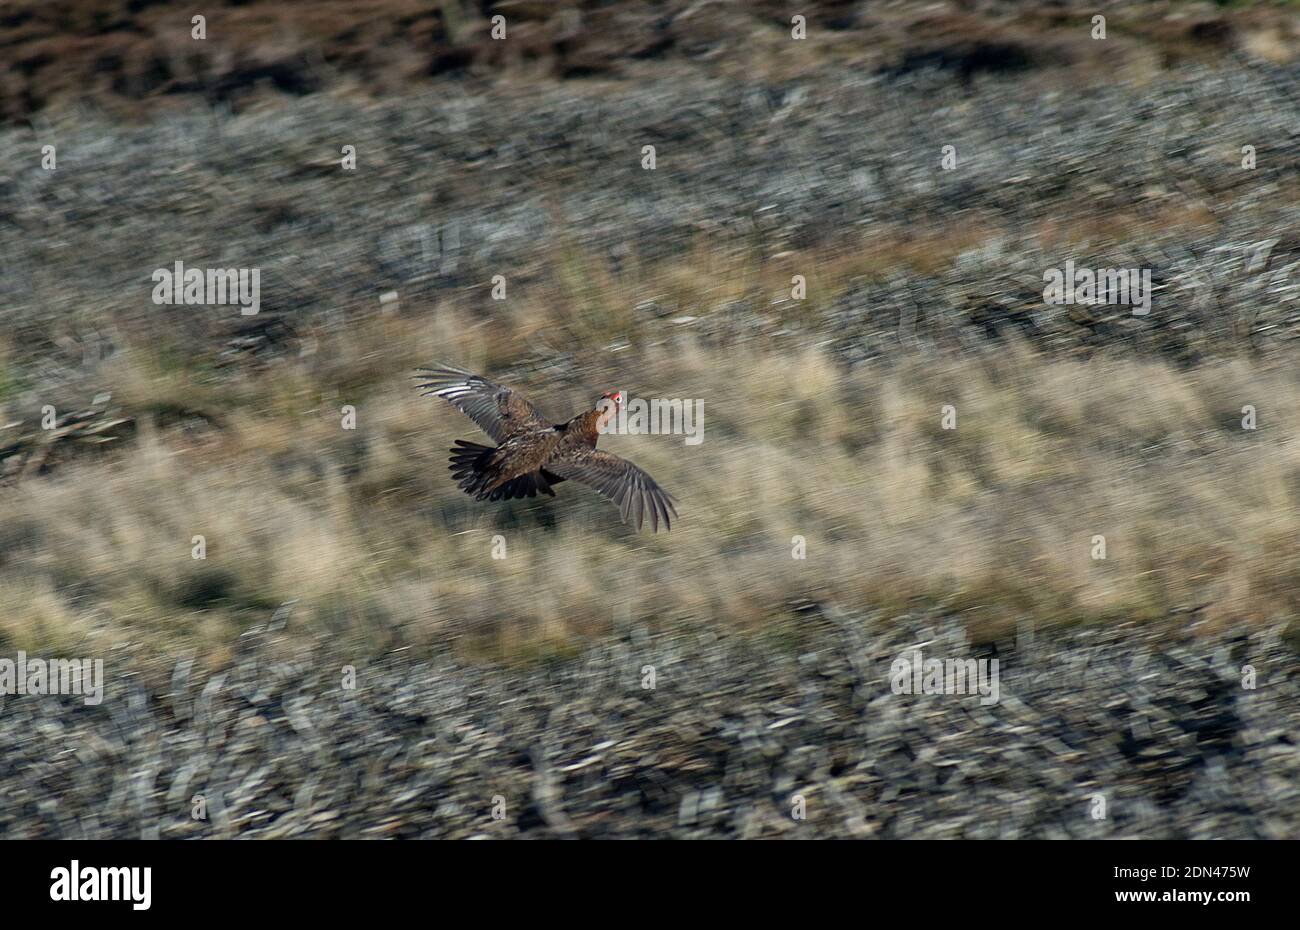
x=469, y=462
x=467, y=466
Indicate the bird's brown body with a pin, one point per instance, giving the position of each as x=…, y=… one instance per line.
x=527, y=451
x=532, y=455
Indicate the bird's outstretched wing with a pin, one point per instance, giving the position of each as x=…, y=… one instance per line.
x=497, y=410
x=618, y=480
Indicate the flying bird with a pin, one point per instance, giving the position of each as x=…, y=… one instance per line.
x=533, y=455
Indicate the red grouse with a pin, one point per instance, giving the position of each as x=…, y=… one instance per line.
x=533, y=454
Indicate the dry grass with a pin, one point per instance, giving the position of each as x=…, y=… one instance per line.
x=366, y=532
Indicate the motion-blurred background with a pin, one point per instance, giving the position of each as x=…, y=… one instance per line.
x=800, y=258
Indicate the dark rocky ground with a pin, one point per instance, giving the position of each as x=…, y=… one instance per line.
x=457, y=190
x=1155, y=722
x=464, y=179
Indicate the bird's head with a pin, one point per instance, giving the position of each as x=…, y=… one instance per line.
x=607, y=408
